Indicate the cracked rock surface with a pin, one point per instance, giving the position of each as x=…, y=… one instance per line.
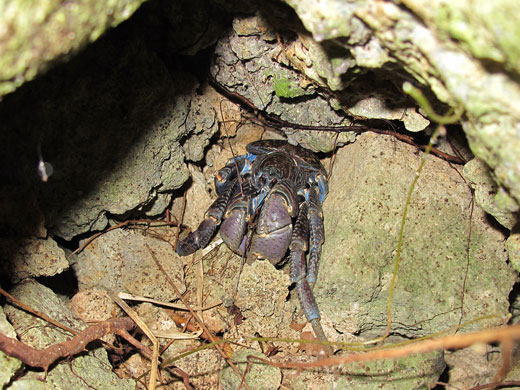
x=132, y=124
x=438, y=270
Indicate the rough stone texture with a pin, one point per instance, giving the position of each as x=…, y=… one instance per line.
x=32, y=257
x=446, y=46
x=473, y=366
x=366, y=94
x=33, y=35
x=413, y=372
x=259, y=376
x=92, y=305
x=261, y=297
x=513, y=250
x=486, y=29
x=198, y=199
x=121, y=261
x=362, y=220
x=8, y=365
x=95, y=305
x=488, y=195
x=90, y=124
x=201, y=123
x=203, y=367
x=247, y=64
x=380, y=107
x=28, y=384
x=84, y=371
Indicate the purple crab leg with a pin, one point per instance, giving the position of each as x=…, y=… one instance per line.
x=213, y=217
x=317, y=235
x=234, y=227
x=298, y=271
x=274, y=224
x=227, y=174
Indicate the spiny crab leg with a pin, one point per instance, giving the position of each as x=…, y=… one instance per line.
x=316, y=235
x=298, y=266
x=213, y=217
x=276, y=189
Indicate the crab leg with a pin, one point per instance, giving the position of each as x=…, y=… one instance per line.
x=317, y=236
x=213, y=217
x=233, y=229
x=240, y=165
x=274, y=224
x=298, y=264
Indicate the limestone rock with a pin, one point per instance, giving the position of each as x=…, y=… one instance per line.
x=84, y=371
x=122, y=261
x=363, y=213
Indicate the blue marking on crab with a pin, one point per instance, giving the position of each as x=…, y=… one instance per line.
x=273, y=200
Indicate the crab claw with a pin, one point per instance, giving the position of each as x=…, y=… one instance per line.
x=274, y=228
x=233, y=228
x=201, y=237
x=197, y=239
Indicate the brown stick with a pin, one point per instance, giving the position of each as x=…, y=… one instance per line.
x=219, y=348
x=502, y=334
x=45, y=357
x=272, y=121
x=119, y=226
x=41, y=315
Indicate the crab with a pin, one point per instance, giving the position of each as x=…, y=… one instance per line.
x=269, y=204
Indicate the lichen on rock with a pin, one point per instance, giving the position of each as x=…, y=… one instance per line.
x=446, y=46
x=363, y=214
x=85, y=371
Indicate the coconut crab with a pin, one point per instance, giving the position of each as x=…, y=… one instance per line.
x=269, y=202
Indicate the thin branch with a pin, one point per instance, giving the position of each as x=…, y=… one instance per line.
x=45, y=357
x=177, y=306
x=118, y=226
x=146, y=330
x=262, y=117
x=38, y=314
x=219, y=349
x=502, y=334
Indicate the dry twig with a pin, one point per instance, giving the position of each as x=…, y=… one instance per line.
x=45, y=357
x=38, y=314
x=146, y=330
x=262, y=117
x=503, y=334
x=219, y=349
x=119, y=226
